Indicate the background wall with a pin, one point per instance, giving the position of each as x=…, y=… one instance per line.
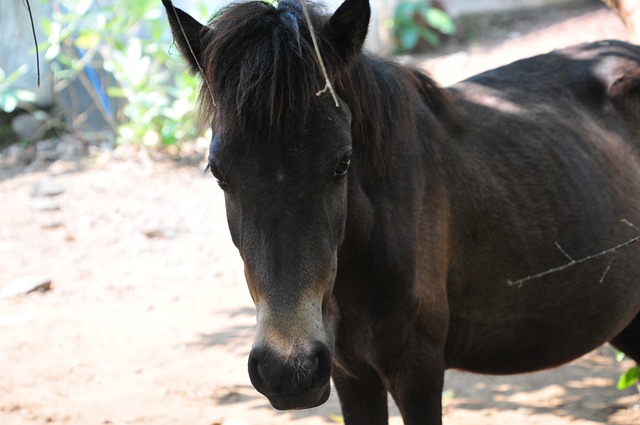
x=465, y=7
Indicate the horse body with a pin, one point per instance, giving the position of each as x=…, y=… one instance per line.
x=562, y=184
x=400, y=268
x=531, y=163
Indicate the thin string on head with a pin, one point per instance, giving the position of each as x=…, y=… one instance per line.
x=193, y=54
x=328, y=85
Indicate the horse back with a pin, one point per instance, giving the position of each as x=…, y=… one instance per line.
x=603, y=77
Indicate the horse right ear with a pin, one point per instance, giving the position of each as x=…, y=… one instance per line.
x=188, y=34
x=347, y=28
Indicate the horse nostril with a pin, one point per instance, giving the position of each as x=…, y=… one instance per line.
x=258, y=372
x=306, y=371
x=322, y=362
x=314, y=368
x=266, y=375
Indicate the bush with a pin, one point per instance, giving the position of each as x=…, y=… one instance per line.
x=131, y=40
x=417, y=19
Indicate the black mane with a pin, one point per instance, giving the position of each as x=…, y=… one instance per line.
x=263, y=74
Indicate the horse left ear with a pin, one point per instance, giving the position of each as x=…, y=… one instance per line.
x=188, y=34
x=347, y=28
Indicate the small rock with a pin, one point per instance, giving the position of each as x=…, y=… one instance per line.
x=28, y=127
x=16, y=155
x=154, y=233
x=44, y=204
x=165, y=232
x=71, y=149
x=47, y=150
x=25, y=285
x=47, y=187
x=51, y=224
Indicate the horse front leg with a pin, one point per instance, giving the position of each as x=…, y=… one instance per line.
x=363, y=396
x=416, y=384
x=414, y=377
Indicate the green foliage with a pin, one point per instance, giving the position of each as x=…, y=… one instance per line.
x=336, y=419
x=630, y=377
x=131, y=40
x=415, y=20
x=10, y=97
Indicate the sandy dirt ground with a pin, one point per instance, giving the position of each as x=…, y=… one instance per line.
x=149, y=320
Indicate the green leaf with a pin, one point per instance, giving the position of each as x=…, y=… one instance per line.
x=407, y=9
x=203, y=11
x=389, y=24
x=429, y=36
x=25, y=95
x=100, y=23
x=8, y=102
x=14, y=76
x=87, y=40
x=66, y=61
x=409, y=38
x=53, y=32
x=45, y=23
x=134, y=49
x=629, y=378
x=153, y=14
x=52, y=52
x=440, y=20
x=83, y=6
x=115, y=92
x=449, y=394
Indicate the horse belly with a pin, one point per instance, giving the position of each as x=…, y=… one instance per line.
x=528, y=329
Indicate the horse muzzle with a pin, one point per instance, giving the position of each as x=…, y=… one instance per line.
x=296, y=381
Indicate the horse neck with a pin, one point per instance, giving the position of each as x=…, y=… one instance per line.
x=413, y=123
x=391, y=104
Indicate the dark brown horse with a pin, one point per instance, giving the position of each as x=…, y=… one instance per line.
x=381, y=238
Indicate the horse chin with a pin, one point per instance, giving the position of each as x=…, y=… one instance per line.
x=300, y=402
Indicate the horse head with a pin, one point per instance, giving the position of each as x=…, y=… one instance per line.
x=281, y=155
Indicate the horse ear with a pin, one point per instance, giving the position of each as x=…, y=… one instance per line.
x=188, y=34
x=347, y=28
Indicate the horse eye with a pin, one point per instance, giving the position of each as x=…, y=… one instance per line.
x=343, y=166
x=216, y=174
